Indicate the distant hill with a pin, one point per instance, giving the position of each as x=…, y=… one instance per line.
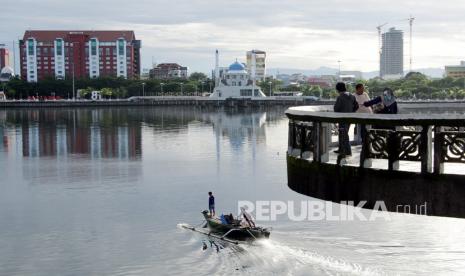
x=431, y=72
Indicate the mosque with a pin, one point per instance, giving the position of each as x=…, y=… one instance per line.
x=6, y=73
x=235, y=82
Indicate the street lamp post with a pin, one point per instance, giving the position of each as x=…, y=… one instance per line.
x=143, y=89
x=339, y=62
x=270, y=83
x=181, y=88
x=161, y=88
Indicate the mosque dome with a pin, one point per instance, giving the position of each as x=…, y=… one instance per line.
x=7, y=70
x=236, y=66
x=6, y=73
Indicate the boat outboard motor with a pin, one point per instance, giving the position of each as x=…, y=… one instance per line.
x=247, y=217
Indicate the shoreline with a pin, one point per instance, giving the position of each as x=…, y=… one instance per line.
x=188, y=101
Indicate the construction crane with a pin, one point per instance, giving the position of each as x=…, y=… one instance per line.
x=410, y=21
x=379, y=42
x=379, y=36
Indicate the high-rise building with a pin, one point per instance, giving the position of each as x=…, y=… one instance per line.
x=4, y=56
x=86, y=54
x=392, y=54
x=260, y=64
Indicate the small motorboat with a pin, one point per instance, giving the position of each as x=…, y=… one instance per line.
x=230, y=229
x=236, y=229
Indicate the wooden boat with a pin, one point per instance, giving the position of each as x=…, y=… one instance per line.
x=235, y=229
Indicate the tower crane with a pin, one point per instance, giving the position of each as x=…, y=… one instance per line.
x=379, y=43
x=410, y=21
x=379, y=36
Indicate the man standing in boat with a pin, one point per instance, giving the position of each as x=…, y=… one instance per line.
x=211, y=204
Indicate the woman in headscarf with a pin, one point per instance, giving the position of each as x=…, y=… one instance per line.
x=388, y=101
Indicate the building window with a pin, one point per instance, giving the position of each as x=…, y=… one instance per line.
x=45, y=51
x=121, y=47
x=93, y=47
x=59, y=46
x=107, y=51
x=30, y=47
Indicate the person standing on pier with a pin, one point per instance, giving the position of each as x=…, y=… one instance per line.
x=361, y=96
x=345, y=103
x=211, y=204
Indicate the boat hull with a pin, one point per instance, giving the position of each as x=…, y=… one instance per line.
x=235, y=231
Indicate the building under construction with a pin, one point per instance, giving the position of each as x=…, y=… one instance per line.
x=392, y=54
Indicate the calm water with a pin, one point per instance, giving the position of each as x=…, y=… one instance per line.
x=101, y=192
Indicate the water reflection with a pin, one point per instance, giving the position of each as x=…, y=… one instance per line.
x=116, y=133
x=104, y=133
x=239, y=128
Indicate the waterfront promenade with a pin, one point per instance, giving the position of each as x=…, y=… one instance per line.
x=406, y=160
x=168, y=101
x=189, y=101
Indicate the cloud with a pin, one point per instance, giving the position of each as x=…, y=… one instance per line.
x=298, y=34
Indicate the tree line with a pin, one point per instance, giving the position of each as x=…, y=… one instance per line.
x=413, y=86
x=110, y=87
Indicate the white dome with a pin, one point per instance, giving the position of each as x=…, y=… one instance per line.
x=7, y=70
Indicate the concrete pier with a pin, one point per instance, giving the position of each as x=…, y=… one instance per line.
x=420, y=136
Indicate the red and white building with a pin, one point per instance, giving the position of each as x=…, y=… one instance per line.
x=4, y=57
x=86, y=54
x=167, y=71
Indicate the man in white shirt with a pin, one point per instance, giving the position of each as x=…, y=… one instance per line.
x=361, y=96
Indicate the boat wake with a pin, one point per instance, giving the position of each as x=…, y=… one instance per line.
x=274, y=258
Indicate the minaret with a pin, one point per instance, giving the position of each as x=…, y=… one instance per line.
x=217, y=68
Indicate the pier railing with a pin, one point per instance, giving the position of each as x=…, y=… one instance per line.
x=432, y=139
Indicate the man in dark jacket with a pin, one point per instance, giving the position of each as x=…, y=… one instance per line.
x=345, y=103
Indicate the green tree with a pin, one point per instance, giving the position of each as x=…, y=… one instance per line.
x=197, y=76
x=106, y=92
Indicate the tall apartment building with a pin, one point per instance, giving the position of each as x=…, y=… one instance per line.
x=392, y=54
x=166, y=71
x=87, y=54
x=4, y=56
x=260, y=58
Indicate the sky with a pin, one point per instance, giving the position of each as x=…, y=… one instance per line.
x=295, y=34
